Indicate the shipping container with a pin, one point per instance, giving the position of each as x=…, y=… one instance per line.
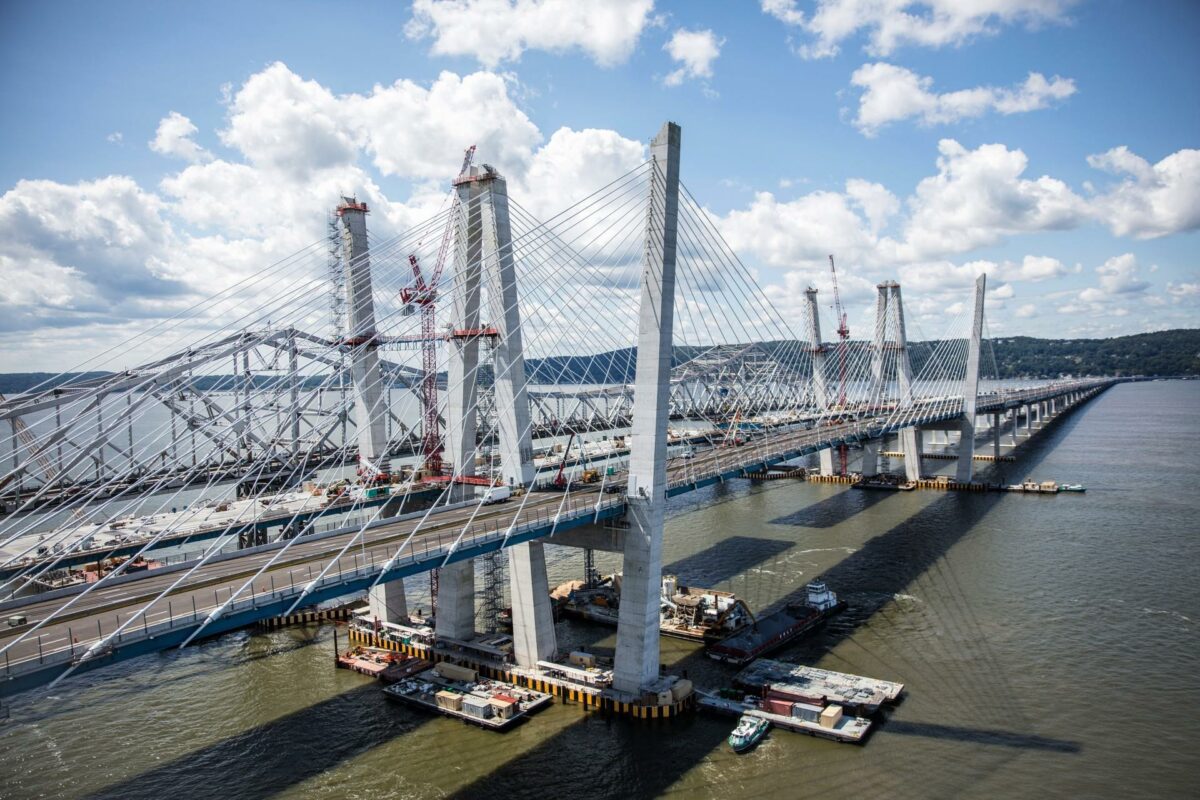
x=454, y=672
x=478, y=707
x=449, y=700
x=782, y=707
x=831, y=716
x=806, y=711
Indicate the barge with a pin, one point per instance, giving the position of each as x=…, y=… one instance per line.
x=457, y=691
x=825, y=722
x=887, y=483
x=775, y=630
x=687, y=612
x=795, y=683
x=385, y=665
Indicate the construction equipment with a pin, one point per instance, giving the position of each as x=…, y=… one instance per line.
x=843, y=331
x=560, y=481
x=422, y=296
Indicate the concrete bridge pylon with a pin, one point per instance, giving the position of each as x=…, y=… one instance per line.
x=637, y=657
x=966, y=443
x=820, y=389
x=387, y=602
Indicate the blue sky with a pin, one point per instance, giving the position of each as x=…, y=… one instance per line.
x=1050, y=143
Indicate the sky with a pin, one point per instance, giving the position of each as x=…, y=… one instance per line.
x=152, y=153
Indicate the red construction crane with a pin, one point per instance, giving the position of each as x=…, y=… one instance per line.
x=843, y=331
x=422, y=295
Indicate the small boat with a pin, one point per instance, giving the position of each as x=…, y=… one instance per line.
x=749, y=732
x=1072, y=487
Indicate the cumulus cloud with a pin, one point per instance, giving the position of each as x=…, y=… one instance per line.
x=806, y=229
x=943, y=275
x=1027, y=311
x=695, y=52
x=494, y=31
x=174, y=139
x=891, y=24
x=105, y=252
x=84, y=252
x=1121, y=275
x=892, y=93
x=1152, y=200
x=979, y=196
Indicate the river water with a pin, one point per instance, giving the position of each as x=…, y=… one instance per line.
x=1048, y=645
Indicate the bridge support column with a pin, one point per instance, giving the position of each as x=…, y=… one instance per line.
x=1028, y=420
x=910, y=438
x=818, y=349
x=910, y=445
x=387, y=603
x=369, y=413
x=637, y=658
x=369, y=410
x=462, y=411
x=870, y=458
x=1013, y=431
x=965, y=469
x=532, y=616
x=454, y=610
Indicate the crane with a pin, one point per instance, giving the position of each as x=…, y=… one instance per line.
x=422, y=296
x=843, y=331
x=560, y=481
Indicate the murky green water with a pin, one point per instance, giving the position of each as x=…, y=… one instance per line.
x=1048, y=644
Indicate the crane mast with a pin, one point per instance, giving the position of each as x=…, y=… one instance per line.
x=843, y=331
x=423, y=295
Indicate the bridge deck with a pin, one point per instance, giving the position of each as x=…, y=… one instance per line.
x=447, y=535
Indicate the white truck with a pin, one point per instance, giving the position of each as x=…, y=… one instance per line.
x=496, y=494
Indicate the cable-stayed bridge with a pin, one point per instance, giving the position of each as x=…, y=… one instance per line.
x=310, y=432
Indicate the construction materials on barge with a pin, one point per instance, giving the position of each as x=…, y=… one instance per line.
x=826, y=722
x=887, y=483
x=687, y=612
x=794, y=683
x=457, y=691
x=775, y=630
x=385, y=665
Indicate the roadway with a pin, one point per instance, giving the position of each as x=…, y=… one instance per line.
x=102, y=610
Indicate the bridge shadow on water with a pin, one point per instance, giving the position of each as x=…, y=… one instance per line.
x=725, y=559
x=1022, y=741
x=833, y=510
x=267, y=759
x=621, y=758
x=612, y=757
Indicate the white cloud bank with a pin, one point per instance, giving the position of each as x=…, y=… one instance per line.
x=891, y=94
x=891, y=24
x=495, y=31
x=100, y=254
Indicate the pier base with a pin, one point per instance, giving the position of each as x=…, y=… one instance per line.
x=454, y=611
x=388, y=603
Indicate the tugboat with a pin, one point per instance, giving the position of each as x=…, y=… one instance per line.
x=748, y=733
x=773, y=631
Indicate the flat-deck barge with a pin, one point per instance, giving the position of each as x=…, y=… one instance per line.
x=797, y=683
x=828, y=722
x=457, y=691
